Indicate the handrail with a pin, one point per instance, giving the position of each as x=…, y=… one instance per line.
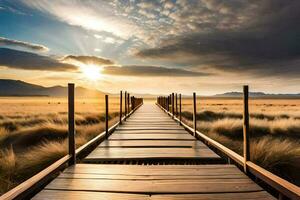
x=33, y=185
x=282, y=186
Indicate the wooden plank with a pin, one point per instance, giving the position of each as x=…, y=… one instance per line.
x=149, y=136
x=86, y=195
x=152, y=123
x=101, y=154
x=150, y=177
x=261, y=195
x=151, y=143
x=149, y=121
x=150, y=131
x=149, y=124
x=155, y=169
x=156, y=186
x=148, y=128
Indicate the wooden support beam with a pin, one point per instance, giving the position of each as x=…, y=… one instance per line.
x=195, y=112
x=106, y=116
x=168, y=103
x=128, y=102
x=180, y=116
x=176, y=105
x=121, y=99
x=246, y=127
x=71, y=119
x=125, y=105
x=173, y=111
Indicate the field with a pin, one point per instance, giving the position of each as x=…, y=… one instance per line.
x=33, y=132
x=274, y=130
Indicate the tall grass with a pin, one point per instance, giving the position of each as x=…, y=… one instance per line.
x=274, y=132
x=33, y=134
x=29, y=150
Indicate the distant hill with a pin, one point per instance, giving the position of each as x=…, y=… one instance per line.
x=257, y=95
x=10, y=87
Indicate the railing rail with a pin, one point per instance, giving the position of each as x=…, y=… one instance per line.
x=283, y=187
x=31, y=186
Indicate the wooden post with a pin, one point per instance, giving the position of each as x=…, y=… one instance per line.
x=170, y=106
x=180, y=108
x=246, y=127
x=106, y=116
x=195, y=113
x=168, y=102
x=165, y=102
x=132, y=103
x=125, y=105
x=173, y=105
x=128, y=102
x=176, y=113
x=121, y=114
x=71, y=119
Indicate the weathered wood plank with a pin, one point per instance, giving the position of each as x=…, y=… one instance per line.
x=85, y=195
x=150, y=177
x=150, y=132
x=150, y=153
x=149, y=128
x=156, y=186
x=149, y=136
x=152, y=143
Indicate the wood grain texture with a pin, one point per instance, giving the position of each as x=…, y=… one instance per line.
x=86, y=195
x=148, y=136
x=151, y=143
x=200, y=184
x=150, y=153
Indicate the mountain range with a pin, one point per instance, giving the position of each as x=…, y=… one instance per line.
x=257, y=95
x=10, y=87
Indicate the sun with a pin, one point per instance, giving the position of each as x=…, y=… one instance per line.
x=91, y=72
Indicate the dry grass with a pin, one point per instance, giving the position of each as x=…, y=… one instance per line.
x=31, y=141
x=274, y=130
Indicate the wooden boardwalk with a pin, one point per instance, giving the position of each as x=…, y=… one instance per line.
x=150, y=156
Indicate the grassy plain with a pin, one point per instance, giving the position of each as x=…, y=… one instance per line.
x=33, y=132
x=274, y=130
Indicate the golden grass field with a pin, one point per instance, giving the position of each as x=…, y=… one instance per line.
x=33, y=132
x=274, y=130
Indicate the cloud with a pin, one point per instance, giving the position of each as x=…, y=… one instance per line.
x=253, y=37
x=90, y=15
x=88, y=60
x=264, y=44
x=27, y=45
x=135, y=70
x=30, y=61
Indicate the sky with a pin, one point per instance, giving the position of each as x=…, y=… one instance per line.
x=157, y=46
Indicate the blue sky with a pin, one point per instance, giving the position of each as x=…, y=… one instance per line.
x=209, y=46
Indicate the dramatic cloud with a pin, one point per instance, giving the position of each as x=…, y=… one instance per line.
x=236, y=41
x=265, y=44
x=149, y=71
x=88, y=60
x=17, y=43
x=30, y=61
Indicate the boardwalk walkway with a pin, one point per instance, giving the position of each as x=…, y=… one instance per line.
x=151, y=157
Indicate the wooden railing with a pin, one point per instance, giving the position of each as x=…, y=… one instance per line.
x=33, y=185
x=283, y=188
